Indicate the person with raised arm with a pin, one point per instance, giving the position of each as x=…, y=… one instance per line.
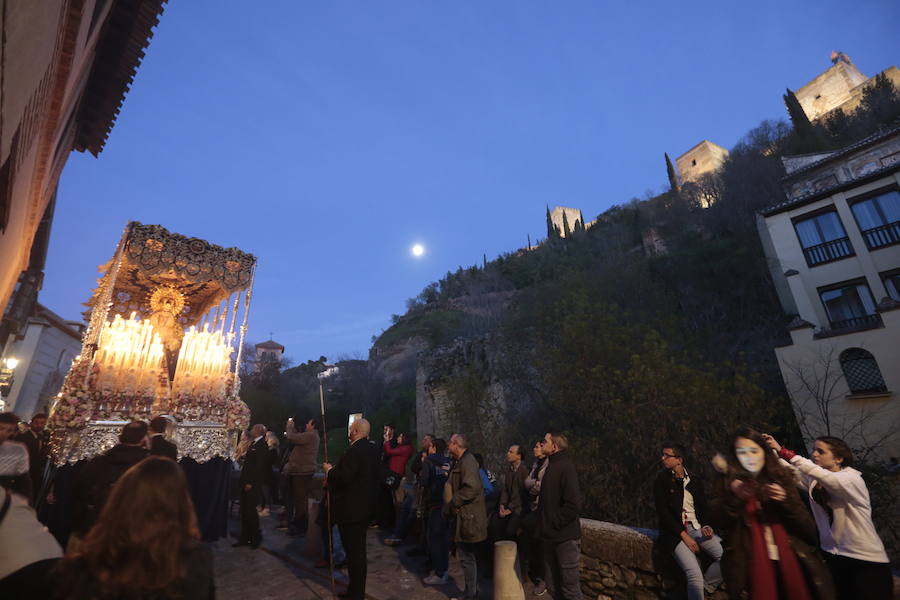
x=839, y=500
x=770, y=549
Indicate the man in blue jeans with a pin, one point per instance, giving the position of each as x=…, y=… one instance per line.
x=559, y=506
x=681, y=508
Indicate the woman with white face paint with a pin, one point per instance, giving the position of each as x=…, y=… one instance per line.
x=840, y=504
x=771, y=545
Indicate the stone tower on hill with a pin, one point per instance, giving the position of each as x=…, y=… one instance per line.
x=840, y=86
x=572, y=215
x=703, y=158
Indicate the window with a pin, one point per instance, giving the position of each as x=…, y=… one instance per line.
x=892, y=284
x=879, y=219
x=850, y=306
x=823, y=238
x=861, y=371
x=694, y=163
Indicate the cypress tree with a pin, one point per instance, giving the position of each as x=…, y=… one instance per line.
x=484, y=261
x=581, y=218
x=551, y=229
x=798, y=116
x=529, y=241
x=566, y=231
x=670, y=170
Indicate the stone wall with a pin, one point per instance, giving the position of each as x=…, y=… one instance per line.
x=617, y=564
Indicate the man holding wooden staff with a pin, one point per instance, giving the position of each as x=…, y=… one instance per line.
x=353, y=485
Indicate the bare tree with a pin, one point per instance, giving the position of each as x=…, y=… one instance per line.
x=818, y=393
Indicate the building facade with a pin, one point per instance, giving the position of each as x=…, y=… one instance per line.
x=268, y=353
x=834, y=247
x=44, y=355
x=66, y=67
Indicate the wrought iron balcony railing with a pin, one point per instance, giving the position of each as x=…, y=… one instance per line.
x=863, y=322
x=829, y=251
x=886, y=235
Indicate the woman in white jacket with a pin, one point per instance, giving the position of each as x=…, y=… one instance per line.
x=840, y=504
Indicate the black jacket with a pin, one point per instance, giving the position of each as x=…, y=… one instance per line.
x=354, y=482
x=95, y=481
x=668, y=495
x=256, y=462
x=513, y=494
x=160, y=446
x=560, y=500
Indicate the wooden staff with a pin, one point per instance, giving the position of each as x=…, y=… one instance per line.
x=327, y=491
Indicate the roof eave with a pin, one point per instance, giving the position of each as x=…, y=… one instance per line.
x=120, y=49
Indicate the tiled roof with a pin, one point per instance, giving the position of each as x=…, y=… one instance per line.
x=875, y=137
x=810, y=197
x=270, y=345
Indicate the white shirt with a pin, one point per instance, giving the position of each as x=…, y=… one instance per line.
x=852, y=533
x=688, y=512
x=23, y=539
x=13, y=458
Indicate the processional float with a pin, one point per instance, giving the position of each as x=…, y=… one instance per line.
x=161, y=340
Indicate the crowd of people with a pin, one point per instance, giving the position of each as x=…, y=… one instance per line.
x=775, y=546
x=134, y=529
x=769, y=524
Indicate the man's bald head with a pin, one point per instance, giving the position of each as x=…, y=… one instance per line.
x=458, y=445
x=360, y=429
x=258, y=430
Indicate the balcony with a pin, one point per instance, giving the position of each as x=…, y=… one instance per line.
x=879, y=237
x=829, y=251
x=851, y=325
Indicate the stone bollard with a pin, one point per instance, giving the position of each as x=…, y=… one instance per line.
x=507, y=585
x=312, y=544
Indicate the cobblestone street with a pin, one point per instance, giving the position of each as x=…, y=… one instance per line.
x=242, y=573
x=280, y=569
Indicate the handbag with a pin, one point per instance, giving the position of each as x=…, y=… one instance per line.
x=391, y=480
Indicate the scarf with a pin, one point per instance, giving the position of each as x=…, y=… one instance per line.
x=762, y=571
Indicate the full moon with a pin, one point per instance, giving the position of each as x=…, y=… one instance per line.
x=418, y=250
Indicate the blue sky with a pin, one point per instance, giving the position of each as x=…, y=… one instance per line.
x=327, y=137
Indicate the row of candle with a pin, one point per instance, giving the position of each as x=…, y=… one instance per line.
x=129, y=355
x=204, y=362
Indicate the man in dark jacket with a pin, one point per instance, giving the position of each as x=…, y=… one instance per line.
x=95, y=481
x=513, y=497
x=467, y=505
x=353, y=485
x=682, y=509
x=559, y=506
x=253, y=475
x=159, y=445
x=35, y=440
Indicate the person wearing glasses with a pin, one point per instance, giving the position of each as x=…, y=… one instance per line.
x=682, y=511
